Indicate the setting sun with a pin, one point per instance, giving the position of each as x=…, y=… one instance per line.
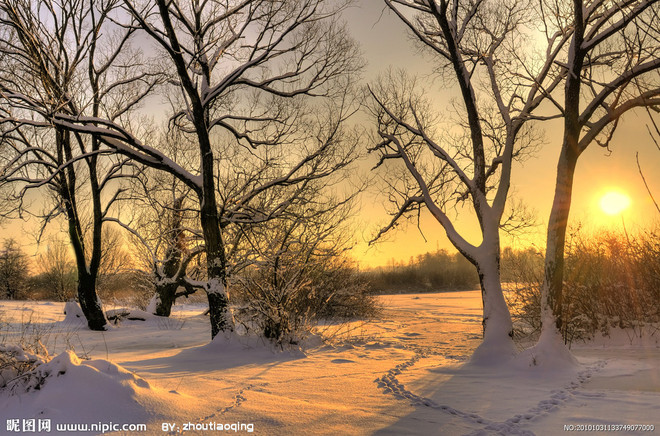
x=614, y=202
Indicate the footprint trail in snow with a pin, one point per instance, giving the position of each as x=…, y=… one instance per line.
x=390, y=384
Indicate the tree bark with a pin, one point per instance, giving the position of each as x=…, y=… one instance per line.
x=166, y=297
x=87, y=297
x=221, y=317
x=552, y=288
x=496, y=320
x=216, y=266
x=89, y=302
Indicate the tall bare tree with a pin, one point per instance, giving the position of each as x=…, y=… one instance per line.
x=14, y=270
x=270, y=53
x=162, y=224
x=59, y=61
x=249, y=204
x=612, y=67
x=483, y=46
x=57, y=270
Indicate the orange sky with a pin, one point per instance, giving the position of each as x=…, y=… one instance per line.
x=385, y=43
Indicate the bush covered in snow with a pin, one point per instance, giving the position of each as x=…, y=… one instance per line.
x=283, y=301
x=610, y=280
x=18, y=368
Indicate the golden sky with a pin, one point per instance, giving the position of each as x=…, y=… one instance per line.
x=385, y=43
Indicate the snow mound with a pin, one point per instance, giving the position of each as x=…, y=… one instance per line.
x=493, y=353
x=130, y=314
x=251, y=344
x=231, y=350
x=550, y=353
x=73, y=313
x=153, y=303
x=66, y=389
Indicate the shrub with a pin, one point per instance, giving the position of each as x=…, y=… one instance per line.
x=610, y=280
x=522, y=275
x=284, y=300
x=17, y=368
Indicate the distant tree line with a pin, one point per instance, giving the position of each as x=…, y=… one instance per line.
x=52, y=274
x=430, y=272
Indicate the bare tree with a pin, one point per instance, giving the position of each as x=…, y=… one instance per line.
x=296, y=274
x=481, y=46
x=14, y=269
x=276, y=51
x=58, y=270
x=163, y=233
x=612, y=66
x=249, y=204
x=59, y=60
x=172, y=273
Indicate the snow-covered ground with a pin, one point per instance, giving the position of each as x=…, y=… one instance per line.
x=404, y=374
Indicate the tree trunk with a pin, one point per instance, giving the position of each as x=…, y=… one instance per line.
x=167, y=285
x=216, y=262
x=497, y=345
x=496, y=316
x=166, y=297
x=552, y=288
x=216, y=265
x=89, y=302
x=497, y=326
x=550, y=349
x=221, y=317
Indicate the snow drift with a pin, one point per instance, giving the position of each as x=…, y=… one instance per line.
x=67, y=389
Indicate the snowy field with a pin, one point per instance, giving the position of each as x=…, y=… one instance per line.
x=405, y=374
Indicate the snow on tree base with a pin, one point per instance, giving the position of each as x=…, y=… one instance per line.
x=549, y=353
x=153, y=304
x=73, y=313
x=493, y=352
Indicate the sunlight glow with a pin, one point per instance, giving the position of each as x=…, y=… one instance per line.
x=614, y=202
